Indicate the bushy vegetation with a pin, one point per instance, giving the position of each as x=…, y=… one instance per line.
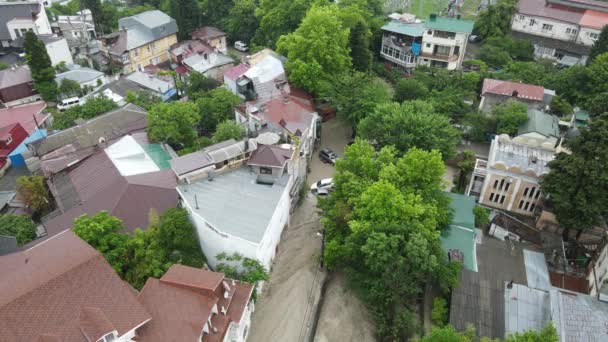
x=19, y=226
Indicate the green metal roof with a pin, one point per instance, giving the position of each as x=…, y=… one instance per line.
x=413, y=30
x=159, y=155
x=581, y=118
x=449, y=24
x=462, y=207
x=539, y=122
x=462, y=239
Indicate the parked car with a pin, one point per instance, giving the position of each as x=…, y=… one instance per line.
x=239, y=45
x=323, y=193
x=328, y=156
x=474, y=38
x=327, y=183
x=67, y=103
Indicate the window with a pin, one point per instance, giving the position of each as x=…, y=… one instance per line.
x=502, y=199
x=521, y=17
x=135, y=52
x=495, y=184
x=521, y=203
x=532, y=207
x=148, y=48
x=537, y=194
x=526, y=206
x=108, y=338
x=532, y=191
x=442, y=50
x=17, y=33
x=507, y=186
x=429, y=32
x=153, y=46
x=502, y=183
x=23, y=31
x=571, y=31
x=9, y=140
x=428, y=45
x=265, y=170
x=593, y=35
x=492, y=197
x=532, y=22
x=547, y=27
x=526, y=192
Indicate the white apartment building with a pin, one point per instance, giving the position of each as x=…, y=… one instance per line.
x=562, y=30
x=437, y=42
x=18, y=17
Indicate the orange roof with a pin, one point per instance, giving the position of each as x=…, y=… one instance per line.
x=594, y=19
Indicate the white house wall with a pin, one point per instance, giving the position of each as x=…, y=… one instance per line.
x=280, y=218
x=585, y=38
x=59, y=51
x=522, y=23
x=42, y=23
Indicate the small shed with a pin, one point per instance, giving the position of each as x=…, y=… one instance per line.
x=11, y=136
x=17, y=157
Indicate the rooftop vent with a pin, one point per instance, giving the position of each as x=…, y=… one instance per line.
x=433, y=17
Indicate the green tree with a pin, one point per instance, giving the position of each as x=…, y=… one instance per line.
x=359, y=44
x=465, y=168
x=528, y=72
x=93, y=107
x=439, y=313
x=277, y=18
x=356, y=94
x=241, y=268
x=69, y=88
x=482, y=216
x=143, y=98
x=19, y=226
x=4, y=66
x=187, y=14
x=174, y=123
x=510, y=116
x=198, y=84
x=494, y=56
x=410, y=124
x=478, y=126
x=495, y=20
x=317, y=50
x=216, y=106
x=518, y=49
x=217, y=11
x=573, y=84
x=40, y=65
x=598, y=104
x=146, y=256
x=598, y=71
x=177, y=236
x=241, y=23
x=547, y=334
x=34, y=191
x=104, y=233
x=228, y=130
x=560, y=107
x=410, y=89
x=600, y=46
x=577, y=181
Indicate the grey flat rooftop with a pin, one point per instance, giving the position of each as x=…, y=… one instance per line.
x=233, y=203
x=479, y=298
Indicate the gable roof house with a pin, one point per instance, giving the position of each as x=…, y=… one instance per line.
x=63, y=290
x=212, y=36
x=196, y=305
x=17, y=86
x=56, y=47
x=17, y=17
x=143, y=39
x=495, y=92
x=205, y=53
x=83, y=75
x=262, y=80
x=79, y=31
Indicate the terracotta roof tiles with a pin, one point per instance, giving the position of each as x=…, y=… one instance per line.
x=508, y=88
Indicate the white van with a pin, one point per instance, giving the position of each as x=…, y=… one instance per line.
x=67, y=103
x=239, y=45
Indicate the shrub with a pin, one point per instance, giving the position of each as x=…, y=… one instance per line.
x=439, y=314
x=482, y=216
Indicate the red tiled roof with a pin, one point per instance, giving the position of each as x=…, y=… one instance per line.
x=508, y=88
x=24, y=115
x=48, y=292
x=237, y=71
x=272, y=156
x=180, y=304
x=594, y=19
x=540, y=8
x=290, y=112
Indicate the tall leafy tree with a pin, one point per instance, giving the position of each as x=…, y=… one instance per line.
x=214, y=107
x=174, y=123
x=40, y=65
x=278, y=17
x=600, y=46
x=358, y=42
x=410, y=124
x=410, y=89
x=19, y=226
x=318, y=49
x=34, y=191
x=228, y=130
x=217, y=11
x=577, y=183
x=241, y=23
x=92, y=108
x=356, y=94
x=187, y=14
x=510, y=116
x=495, y=20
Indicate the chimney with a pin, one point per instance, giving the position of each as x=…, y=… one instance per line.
x=433, y=17
x=515, y=93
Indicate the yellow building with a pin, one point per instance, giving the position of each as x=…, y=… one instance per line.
x=143, y=39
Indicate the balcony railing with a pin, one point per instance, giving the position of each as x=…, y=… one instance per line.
x=439, y=57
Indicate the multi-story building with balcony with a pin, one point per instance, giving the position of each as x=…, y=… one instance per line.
x=562, y=30
x=438, y=42
x=510, y=179
x=143, y=39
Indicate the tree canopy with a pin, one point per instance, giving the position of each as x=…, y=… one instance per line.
x=577, y=182
x=174, y=123
x=495, y=20
x=410, y=89
x=34, y=191
x=187, y=14
x=318, y=50
x=410, y=124
x=216, y=106
x=510, y=116
x=241, y=23
x=600, y=46
x=278, y=17
x=19, y=226
x=40, y=65
x=93, y=107
x=382, y=228
x=228, y=130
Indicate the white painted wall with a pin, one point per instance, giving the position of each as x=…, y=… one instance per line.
x=601, y=272
x=21, y=25
x=585, y=37
x=59, y=51
x=236, y=331
x=280, y=218
x=523, y=23
x=43, y=25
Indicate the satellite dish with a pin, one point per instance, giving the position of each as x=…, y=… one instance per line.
x=102, y=140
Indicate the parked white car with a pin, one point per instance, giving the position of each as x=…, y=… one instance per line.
x=67, y=103
x=239, y=45
x=327, y=184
